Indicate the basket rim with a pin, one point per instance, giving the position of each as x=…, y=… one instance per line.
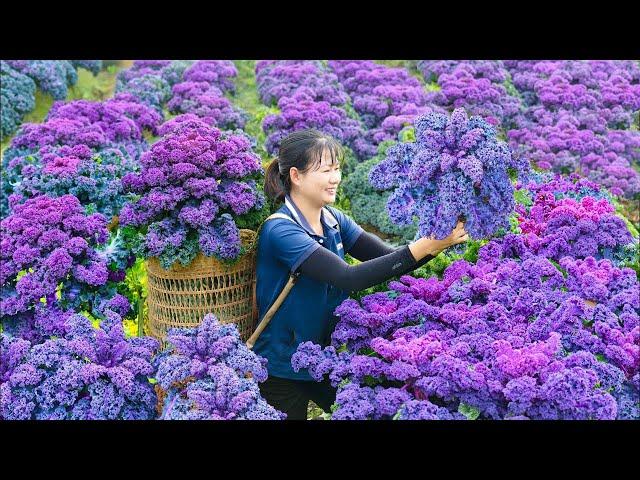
x=248, y=240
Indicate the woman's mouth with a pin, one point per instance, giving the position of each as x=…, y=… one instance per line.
x=332, y=191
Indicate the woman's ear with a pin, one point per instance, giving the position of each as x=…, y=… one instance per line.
x=294, y=175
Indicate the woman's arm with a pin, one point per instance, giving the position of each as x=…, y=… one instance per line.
x=369, y=246
x=325, y=266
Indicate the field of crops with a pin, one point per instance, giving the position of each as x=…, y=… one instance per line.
x=106, y=164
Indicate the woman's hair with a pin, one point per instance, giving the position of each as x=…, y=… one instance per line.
x=302, y=149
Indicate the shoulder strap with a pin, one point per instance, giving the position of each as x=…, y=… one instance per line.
x=279, y=215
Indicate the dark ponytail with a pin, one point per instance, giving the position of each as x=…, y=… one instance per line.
x=274, y=186
x=302, y=149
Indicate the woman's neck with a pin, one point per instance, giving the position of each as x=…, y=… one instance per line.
x=311, y=212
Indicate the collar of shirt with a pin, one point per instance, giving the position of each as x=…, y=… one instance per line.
x=302, y=221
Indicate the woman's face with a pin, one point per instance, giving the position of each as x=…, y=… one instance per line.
x=319, y=185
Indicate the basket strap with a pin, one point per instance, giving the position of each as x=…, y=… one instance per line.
x=283, y=294
x=273, y=309
x=270, y=217
x=278, y=215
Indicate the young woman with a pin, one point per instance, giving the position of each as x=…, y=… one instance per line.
x=313, y=243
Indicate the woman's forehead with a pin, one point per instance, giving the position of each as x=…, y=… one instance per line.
x=328, y=157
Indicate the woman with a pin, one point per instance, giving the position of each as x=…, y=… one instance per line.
x=313, y=243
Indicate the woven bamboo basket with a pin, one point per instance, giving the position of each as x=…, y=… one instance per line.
x=181, y=296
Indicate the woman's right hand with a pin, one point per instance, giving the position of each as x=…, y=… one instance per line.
x=457, y=235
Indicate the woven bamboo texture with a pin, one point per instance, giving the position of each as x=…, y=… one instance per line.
x=180, y=297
